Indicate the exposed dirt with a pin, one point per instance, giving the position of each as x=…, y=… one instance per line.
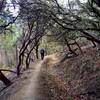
x=76, y=78
x=31, y=85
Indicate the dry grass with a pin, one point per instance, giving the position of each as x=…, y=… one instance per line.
x=82, y=73
x=79, y=75
x=50, y=60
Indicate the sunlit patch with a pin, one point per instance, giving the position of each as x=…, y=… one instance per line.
x=50, y=60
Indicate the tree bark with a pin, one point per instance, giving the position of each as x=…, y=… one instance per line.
x=68, y=45
x=5, y=80
x=28, y=57
x=37, y=46
x=94, y=45
x=90, y=37
x=19, y=64
x=79, y=47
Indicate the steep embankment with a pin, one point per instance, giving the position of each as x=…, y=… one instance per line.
x=79, y=76
x=76, y=78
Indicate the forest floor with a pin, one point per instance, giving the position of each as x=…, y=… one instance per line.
x=76, y=78
x=31, y=85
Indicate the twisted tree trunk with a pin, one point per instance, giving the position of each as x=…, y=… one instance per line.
x=68, y=45
x=5, y=80
x=37, y=46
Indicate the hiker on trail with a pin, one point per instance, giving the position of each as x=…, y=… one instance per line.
x=42, y=52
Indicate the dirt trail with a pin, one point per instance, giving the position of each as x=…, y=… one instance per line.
x=32, y=86
x=28, y=92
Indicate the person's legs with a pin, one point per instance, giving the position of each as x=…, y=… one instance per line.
x=42, y=56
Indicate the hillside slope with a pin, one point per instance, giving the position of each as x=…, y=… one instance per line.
x=80, y=76
x=76, y=78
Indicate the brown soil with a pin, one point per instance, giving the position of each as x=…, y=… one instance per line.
x=76, y=78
